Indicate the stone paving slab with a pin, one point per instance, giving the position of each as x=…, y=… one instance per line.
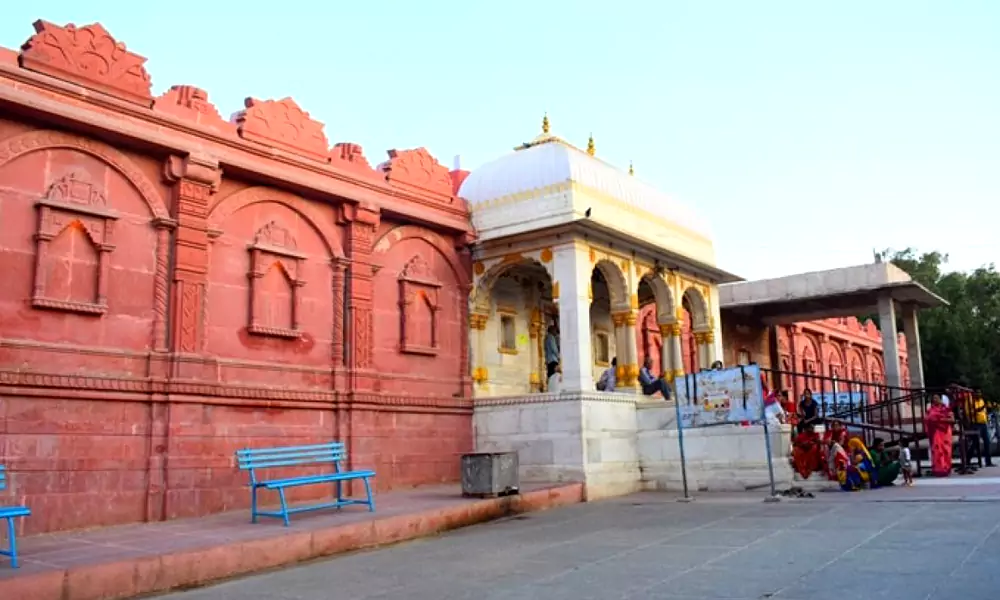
x=650, y=546
x=122, y=562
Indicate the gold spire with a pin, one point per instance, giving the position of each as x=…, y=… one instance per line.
x=545, y=123
x=590, y=145
x=631, y=171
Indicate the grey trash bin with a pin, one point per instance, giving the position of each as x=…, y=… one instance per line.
x=489, y=474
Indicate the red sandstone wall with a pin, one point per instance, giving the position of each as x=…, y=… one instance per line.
x=187, y=306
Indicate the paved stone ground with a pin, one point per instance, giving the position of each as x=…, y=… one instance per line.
x=650, y=546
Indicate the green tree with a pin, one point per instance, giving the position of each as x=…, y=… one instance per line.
x=960, y=343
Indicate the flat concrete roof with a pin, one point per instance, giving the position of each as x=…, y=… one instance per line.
x=849, y=291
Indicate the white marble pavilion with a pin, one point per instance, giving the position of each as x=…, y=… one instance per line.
x=568, y=239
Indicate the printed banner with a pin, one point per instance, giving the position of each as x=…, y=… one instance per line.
x=732, y=395
x=840, y=402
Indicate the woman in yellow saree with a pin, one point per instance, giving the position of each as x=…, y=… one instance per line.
x=854, y=467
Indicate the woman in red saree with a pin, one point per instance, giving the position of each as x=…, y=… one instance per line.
x=807, y=453
x=938, y=427
x=835, y=433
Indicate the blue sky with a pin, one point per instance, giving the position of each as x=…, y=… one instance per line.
x=807, y=132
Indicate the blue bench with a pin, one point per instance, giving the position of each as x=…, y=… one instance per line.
x=254, y=460
x=9, y=513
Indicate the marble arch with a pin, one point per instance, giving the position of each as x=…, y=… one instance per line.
x=617, y=285
x=393, y=236
x=666, y=312
x=698, y=306
x=482, y=291
x=233, y=203
x=27, y=143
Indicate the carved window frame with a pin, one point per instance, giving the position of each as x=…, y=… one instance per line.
x=418, y=289
x=602, y=340
x=262, y=256
x=507, y=314
x=56, y=211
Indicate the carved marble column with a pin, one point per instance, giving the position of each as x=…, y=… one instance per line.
x=677, y=350
x=477, y=329
x=667, y=352
x=709, y=345
x=195, y=179
x=631, y=348
x=535, y=351
x=337, y=282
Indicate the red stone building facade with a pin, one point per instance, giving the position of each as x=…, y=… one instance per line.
x=178, y=286
x=812, y=354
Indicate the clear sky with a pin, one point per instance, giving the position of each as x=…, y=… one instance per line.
x=807, y=132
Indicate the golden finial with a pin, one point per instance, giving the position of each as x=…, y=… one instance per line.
x=545, y=123
x=590, y=145
x=631, y=171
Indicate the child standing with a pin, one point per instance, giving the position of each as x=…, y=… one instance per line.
x=906, y=464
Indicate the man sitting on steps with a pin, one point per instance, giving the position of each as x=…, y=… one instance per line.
x=651, y=385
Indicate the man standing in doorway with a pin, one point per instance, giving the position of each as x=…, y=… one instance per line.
x=551, y=351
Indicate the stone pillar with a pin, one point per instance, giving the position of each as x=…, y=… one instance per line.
x=632, y=349
x=535, y=331
x=195, y=180
x=337, y=286
x=709, y=337
x=361, y=223
x=911, y=329
x=667, y=352
x=677, y=351
x=477, y=331
x=571, y=289
x=699, y=343
x=890, y=340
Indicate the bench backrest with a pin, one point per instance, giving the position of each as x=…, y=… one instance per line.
x=251, y=459
x=3, y=477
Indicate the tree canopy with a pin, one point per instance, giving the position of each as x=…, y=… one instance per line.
x=959, y=343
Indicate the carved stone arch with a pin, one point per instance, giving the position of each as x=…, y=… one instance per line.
x=407, y=232
x=21, y=145
x=835, y=364
x=698, y=305
x=666, y=309
x=618, y=287
x=481, y=299
x=233, y=203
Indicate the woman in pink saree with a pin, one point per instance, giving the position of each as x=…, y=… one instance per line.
x=938, y=426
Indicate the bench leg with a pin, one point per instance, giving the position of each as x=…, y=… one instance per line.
x=13, y=543
x=253, y=504
x=340, y=491
x=371, y=501
x=284, y=506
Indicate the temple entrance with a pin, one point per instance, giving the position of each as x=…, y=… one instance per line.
x=694, y=326
x=657, y=319
x=511, y=312
x=604, y=345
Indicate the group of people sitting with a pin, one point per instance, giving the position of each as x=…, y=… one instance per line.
x=847, y=460
x=651, y=384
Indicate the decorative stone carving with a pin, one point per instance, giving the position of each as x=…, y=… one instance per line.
x=191, y=103
x=73, y=203
x=273, y=255
x=282, y=124
x=90, y=57
x=352, y=158
x=418, y=169
x=419, y=303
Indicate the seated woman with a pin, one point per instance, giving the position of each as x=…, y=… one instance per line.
x=886, y=469
x=838, y=433
x=807, y=452
x=853, y=470
x=863, y=461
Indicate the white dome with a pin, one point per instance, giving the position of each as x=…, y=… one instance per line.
x=550, y=161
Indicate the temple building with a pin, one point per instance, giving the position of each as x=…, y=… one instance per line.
x=568, y=240
x=180, y=285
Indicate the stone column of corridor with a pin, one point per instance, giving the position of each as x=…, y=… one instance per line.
x=572, y=273
x=911, y=329
x=890, y=339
